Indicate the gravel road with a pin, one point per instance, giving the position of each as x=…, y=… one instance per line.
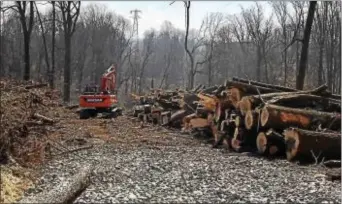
x=183, y=170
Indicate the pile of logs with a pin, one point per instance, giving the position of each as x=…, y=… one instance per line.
x=244, y=115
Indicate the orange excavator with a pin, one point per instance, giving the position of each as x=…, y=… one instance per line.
x=101, y=99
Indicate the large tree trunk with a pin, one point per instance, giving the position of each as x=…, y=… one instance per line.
x=26, y=55
x=304, y=55
x=280, y=117
x=310, y=144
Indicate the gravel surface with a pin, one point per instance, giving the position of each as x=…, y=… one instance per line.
x=183, y=170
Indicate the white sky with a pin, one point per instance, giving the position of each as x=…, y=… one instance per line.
x=154, y=13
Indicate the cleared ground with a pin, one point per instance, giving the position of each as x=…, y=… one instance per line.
x=153, y=164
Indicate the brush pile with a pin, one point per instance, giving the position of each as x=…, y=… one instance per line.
x=27, y=111
x=244, y=115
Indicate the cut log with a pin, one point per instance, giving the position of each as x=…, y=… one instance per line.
x=235, y=142
x=280, y=117
x=186, y=121
x=198, y=123
x=275, y=143
x=308, y=101
x=316, y=91
x=42, y=118
x=249, y=89
x=209, y=102
x=270, y=143
x=251, y=119
x=310, y=144
x=66, y=192
x=209, y=90
x=235, y=96
x=276, y=87
x=177, y=117
x=253, y=101
x=261, y=143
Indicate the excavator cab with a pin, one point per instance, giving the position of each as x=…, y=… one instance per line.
x=100, y=99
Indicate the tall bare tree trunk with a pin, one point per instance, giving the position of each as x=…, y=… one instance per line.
x=304, y=55
x=192, y=72
x=52, y=72
x=67, y=71
x=27, y=30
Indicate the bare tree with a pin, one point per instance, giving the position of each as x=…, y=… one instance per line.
x=70, y=12
x=53, y=41
x=260, y=31
x=147, y=52
x=46, y=55
x=281, y=11
x=27, y=30
x=304, y=54
x=213, y=23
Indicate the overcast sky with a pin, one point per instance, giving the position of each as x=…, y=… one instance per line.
x=155, y=12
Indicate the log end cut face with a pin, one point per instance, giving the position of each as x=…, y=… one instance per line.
x=249, y=120
x=261, y=142
x=292, y=143
x=264, y=116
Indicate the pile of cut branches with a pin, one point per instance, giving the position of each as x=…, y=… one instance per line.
x=26, y=112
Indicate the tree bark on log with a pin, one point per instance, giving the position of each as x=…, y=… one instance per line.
x=276, y=87
x=310, y=144
x=251, y=102
x=249, y=88
x=280, y=117
x=306, y=100
x=176, y=118
x=64, y=193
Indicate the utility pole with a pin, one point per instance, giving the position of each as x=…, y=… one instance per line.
x=136, y=17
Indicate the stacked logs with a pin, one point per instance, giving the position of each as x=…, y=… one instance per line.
x=244, y=115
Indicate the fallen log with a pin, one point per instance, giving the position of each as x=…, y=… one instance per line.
x=177, y=117
x=307, y=101
x=235, y=96
x=66, y=192
x=35, y=86
x=249, y=89
x=311, y=144
x=251, y=102
x=276, y=87
x=43, y=118
x=280, y=117
x=209, y=90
